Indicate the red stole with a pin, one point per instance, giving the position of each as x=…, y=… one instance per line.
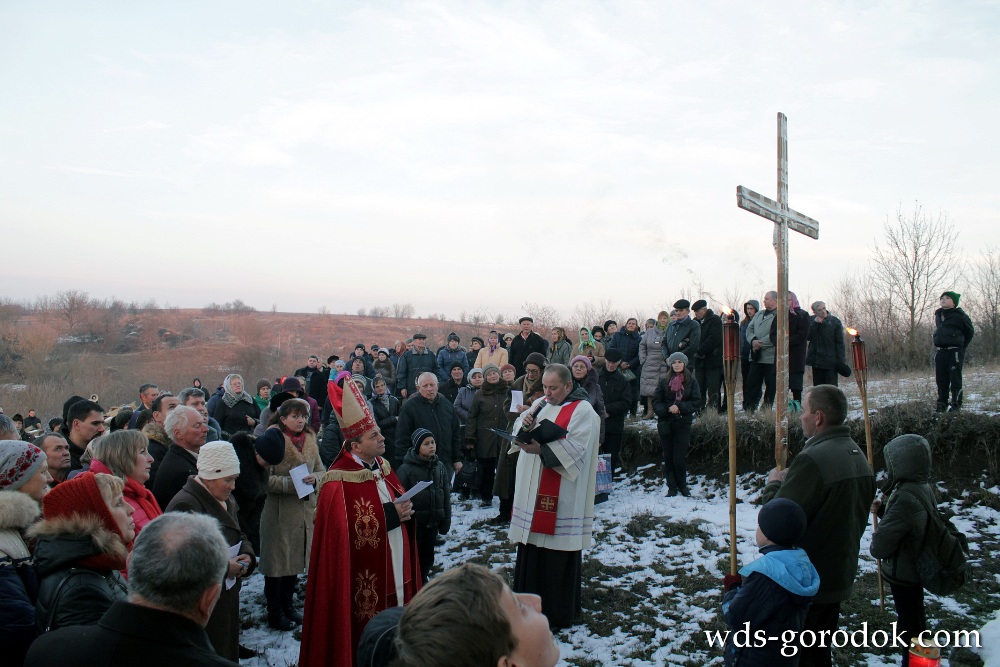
x=350, y=567
x=543, y=520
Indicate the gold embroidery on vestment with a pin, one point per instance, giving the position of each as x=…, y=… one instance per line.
x=366, y=524
x=366, y=602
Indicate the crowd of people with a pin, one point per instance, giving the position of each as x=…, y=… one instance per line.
x=151, y=515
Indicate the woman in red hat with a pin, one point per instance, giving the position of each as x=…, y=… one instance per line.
x=83, y=544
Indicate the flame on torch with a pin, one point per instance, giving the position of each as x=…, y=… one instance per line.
x=853, y=332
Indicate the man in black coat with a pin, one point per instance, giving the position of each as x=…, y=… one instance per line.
x=617, y=400
x=412, y=364
x=683, y=334
x=952, y=334
x=428, y=409
x=708, y=367
x=187, y=431
x=826, y=353
x=521, y=346
x=163, y=622
x=626, y=340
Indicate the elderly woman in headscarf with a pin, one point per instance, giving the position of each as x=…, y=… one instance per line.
x=210, y=492
x=493, y=353
x=24, y=481
x=125, y=454
x=236, y=411
x=590, y=348
x=82, y=547
x=654, y=366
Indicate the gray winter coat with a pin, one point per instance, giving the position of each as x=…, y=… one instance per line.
x=760, y=329
x=654, y=366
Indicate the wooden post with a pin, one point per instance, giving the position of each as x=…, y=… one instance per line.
x=784, y=218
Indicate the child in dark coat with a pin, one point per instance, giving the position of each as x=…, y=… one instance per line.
x=432, y=506
x=771, y=595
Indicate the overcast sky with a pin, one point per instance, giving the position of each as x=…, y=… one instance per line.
x=459, y=155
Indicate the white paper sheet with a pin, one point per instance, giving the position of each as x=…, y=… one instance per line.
x=234, y=551
x=516, y=399
x=297, y=473
x=417, y=488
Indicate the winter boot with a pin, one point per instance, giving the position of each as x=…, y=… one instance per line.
x=272, y=594
x=941, y=406
x=956, y=401
x=287, y=599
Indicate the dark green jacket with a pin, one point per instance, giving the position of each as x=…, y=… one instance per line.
x=900, y=534
x=832, y=482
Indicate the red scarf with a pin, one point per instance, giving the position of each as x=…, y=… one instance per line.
x=543, y=520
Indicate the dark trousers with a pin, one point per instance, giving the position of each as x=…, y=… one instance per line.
x=948, y=373
x=426, y=536
x=760, y=374
x=825, y=376
x=820, y=617
x=795, y=382
x=909, y=601
x=488, y=469
x=633, y=401
x=675, y=437
x=710, y=381
x=612, y=444
x=556, y=577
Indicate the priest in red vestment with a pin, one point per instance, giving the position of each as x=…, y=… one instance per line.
x=364, y=555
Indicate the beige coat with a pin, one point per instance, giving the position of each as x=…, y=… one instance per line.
x=286, y=524
x=499, y=357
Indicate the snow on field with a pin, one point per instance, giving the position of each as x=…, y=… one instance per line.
x=652, y=579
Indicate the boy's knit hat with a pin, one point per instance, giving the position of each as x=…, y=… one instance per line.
x=782, y=521
x=419, y=436
x=955, y=296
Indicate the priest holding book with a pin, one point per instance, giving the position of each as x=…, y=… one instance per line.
x=553, y=516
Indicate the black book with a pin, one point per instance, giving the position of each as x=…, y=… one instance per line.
x=545, y=431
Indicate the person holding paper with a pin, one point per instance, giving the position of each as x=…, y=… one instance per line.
x=286, y=524
x=364, y=552
x=530, y=387
x=210, y=492
x=553, y=515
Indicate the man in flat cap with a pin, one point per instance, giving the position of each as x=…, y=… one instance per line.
x=525, y=344
x=683, y=334
x=414, y=362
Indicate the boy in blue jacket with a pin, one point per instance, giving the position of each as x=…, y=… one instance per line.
x=770, y=596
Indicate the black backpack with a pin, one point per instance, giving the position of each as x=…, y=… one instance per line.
x=941, y=565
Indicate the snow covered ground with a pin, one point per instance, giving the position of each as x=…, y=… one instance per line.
x=652, y=580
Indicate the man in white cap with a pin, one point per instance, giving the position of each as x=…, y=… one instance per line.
x=364, y=555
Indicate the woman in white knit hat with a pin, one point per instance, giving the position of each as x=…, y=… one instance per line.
x=210, y=492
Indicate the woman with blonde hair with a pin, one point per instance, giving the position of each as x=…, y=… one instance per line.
x=561, y=350
x=82, y=547
x=125, y=455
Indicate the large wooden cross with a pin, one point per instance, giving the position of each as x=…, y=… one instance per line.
x=783, y=219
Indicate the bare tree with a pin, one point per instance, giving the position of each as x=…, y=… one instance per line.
x=403, y=311
x=984, y=280
x=545, y=317
x=912, y=265
x=71, y=305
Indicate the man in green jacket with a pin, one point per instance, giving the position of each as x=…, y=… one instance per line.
x=831, y=480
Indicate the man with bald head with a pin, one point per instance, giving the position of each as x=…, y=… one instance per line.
x=428, y=409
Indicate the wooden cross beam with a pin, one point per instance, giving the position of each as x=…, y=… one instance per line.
x=783, y=219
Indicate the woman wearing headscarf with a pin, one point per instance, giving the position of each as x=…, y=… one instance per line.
x=82, y=546
x=463, y=402
x=561, y=350
x=24, y=481
x=236, y=411
x=286, y=525
x=383, y=366
x=210, y=492
x=125, y=455
x=590, y=348
x=493, y=353
x=654, y=366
